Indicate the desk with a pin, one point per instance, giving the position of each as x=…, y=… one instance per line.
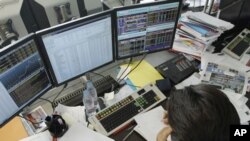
x=154, y=59
x=13, y=130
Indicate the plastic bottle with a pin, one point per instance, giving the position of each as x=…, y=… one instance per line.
x=90, y=100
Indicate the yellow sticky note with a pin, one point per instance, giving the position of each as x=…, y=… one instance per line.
x=143, y=74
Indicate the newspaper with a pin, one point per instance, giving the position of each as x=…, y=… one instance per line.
x=225, y=78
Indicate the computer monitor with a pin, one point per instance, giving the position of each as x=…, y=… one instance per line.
x=77, y=47
x=145, y=27
x=235, y=11
x=23, y=77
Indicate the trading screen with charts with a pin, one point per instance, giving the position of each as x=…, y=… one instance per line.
x=22, y=77
x=145, y=29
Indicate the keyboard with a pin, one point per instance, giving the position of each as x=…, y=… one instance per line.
x=75, y=98
x=116, y=116
x=105, y=85
x=239, y=45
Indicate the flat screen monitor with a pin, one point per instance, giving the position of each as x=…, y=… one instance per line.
x=145, y=27
x=235, y=11
x=77, y=47
x=23, y=77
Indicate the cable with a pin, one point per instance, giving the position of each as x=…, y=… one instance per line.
x=133, y=85
x=47, y=101
x=130, y=61
x=65, y=85
x=98, y=74
x=133, y=68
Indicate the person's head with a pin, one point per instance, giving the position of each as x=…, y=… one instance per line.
x=200, y=113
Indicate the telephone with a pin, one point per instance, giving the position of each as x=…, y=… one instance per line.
x=177, y=69
x=239, y=45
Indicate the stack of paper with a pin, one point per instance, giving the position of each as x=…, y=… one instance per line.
x=149, y=124
x=196, y=31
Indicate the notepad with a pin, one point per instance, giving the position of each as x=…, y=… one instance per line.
x=149, y=124
x=143, y=74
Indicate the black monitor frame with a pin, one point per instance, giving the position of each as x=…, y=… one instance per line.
x=140, y=6
x=12, y=47
x=65, y=27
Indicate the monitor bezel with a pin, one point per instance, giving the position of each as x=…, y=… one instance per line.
x=67, y=26
x=14, y=46
x=139, y=6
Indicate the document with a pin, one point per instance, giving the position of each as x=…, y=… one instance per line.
x=149, y=124
x=81, y=133
x=76, y=132
x=225, y=78
x=143, y=74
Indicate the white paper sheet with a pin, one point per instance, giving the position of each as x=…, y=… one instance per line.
x=150, y=123
x=72, y=114
x=81, y=133
x=43, y=136
x=76, y=132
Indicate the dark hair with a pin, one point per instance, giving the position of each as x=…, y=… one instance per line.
x=200, y=113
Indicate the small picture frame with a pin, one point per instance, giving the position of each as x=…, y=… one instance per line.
x=35, y=119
